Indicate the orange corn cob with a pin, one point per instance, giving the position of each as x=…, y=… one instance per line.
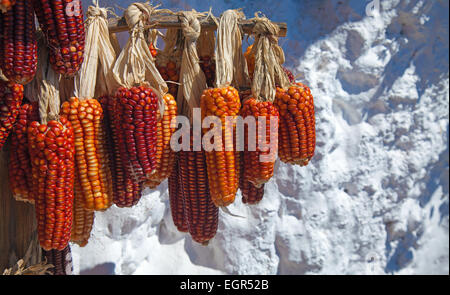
x=6, y=5
x=201, y=214
x=61, y=261
x=176, y=199
x=82, y=219
x=18, y=43
x=250, y=58
x=63, y=25
x=92, y=166
x=153, y=50
x=297, y=132
x=52, y=150
x=257, y=171
x=19, y=165
x=164, y=154
x=11, y=96
x=222, y=165
x=170, y=72
x=250, y=194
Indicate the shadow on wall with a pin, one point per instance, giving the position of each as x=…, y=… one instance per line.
x=107, y=268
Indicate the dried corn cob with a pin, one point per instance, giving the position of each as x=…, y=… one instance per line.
x=222, y=165
x=11, y=96
x=18, y=43
x=164, y=153
x=135, y=113
x=170, y=72
x=297, y=133
x=62, y=23
x=250, y=194
x=176, y=198
x=208, y=65
x=61, y=260
x=19, y=165
x=289, y=75
x=121, y=197
x=92, y=164
x=126, y=186
x=6, y=5
x=201, y=213
x=82, y=219
x=257, y=171
x=52, y=150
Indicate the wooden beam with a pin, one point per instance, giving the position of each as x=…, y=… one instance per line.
x=117, y=25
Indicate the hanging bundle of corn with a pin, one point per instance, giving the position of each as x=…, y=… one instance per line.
x=6, y=5
x=19, y=165
x=200, y=213
x=168, y=61
x=136, y=102
x=18, y=43
x=223, y=163
x=62, y=24
x=93, y=175
x=51, y=149
x=11, y=96
x=61, y=260
x=261, y=147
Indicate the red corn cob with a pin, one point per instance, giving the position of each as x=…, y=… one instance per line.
x=250, y=194
x=19, y=165
x=208, y=65
x=290, y=75
x=297, y=132
x=6, y=5
x=135, y=113
x=18, y=43
x=11, y=96
x=201, y=213
x=176, y=198
x=51, y=149
x=62, y=23
x=126, y=186
x=61, y=260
